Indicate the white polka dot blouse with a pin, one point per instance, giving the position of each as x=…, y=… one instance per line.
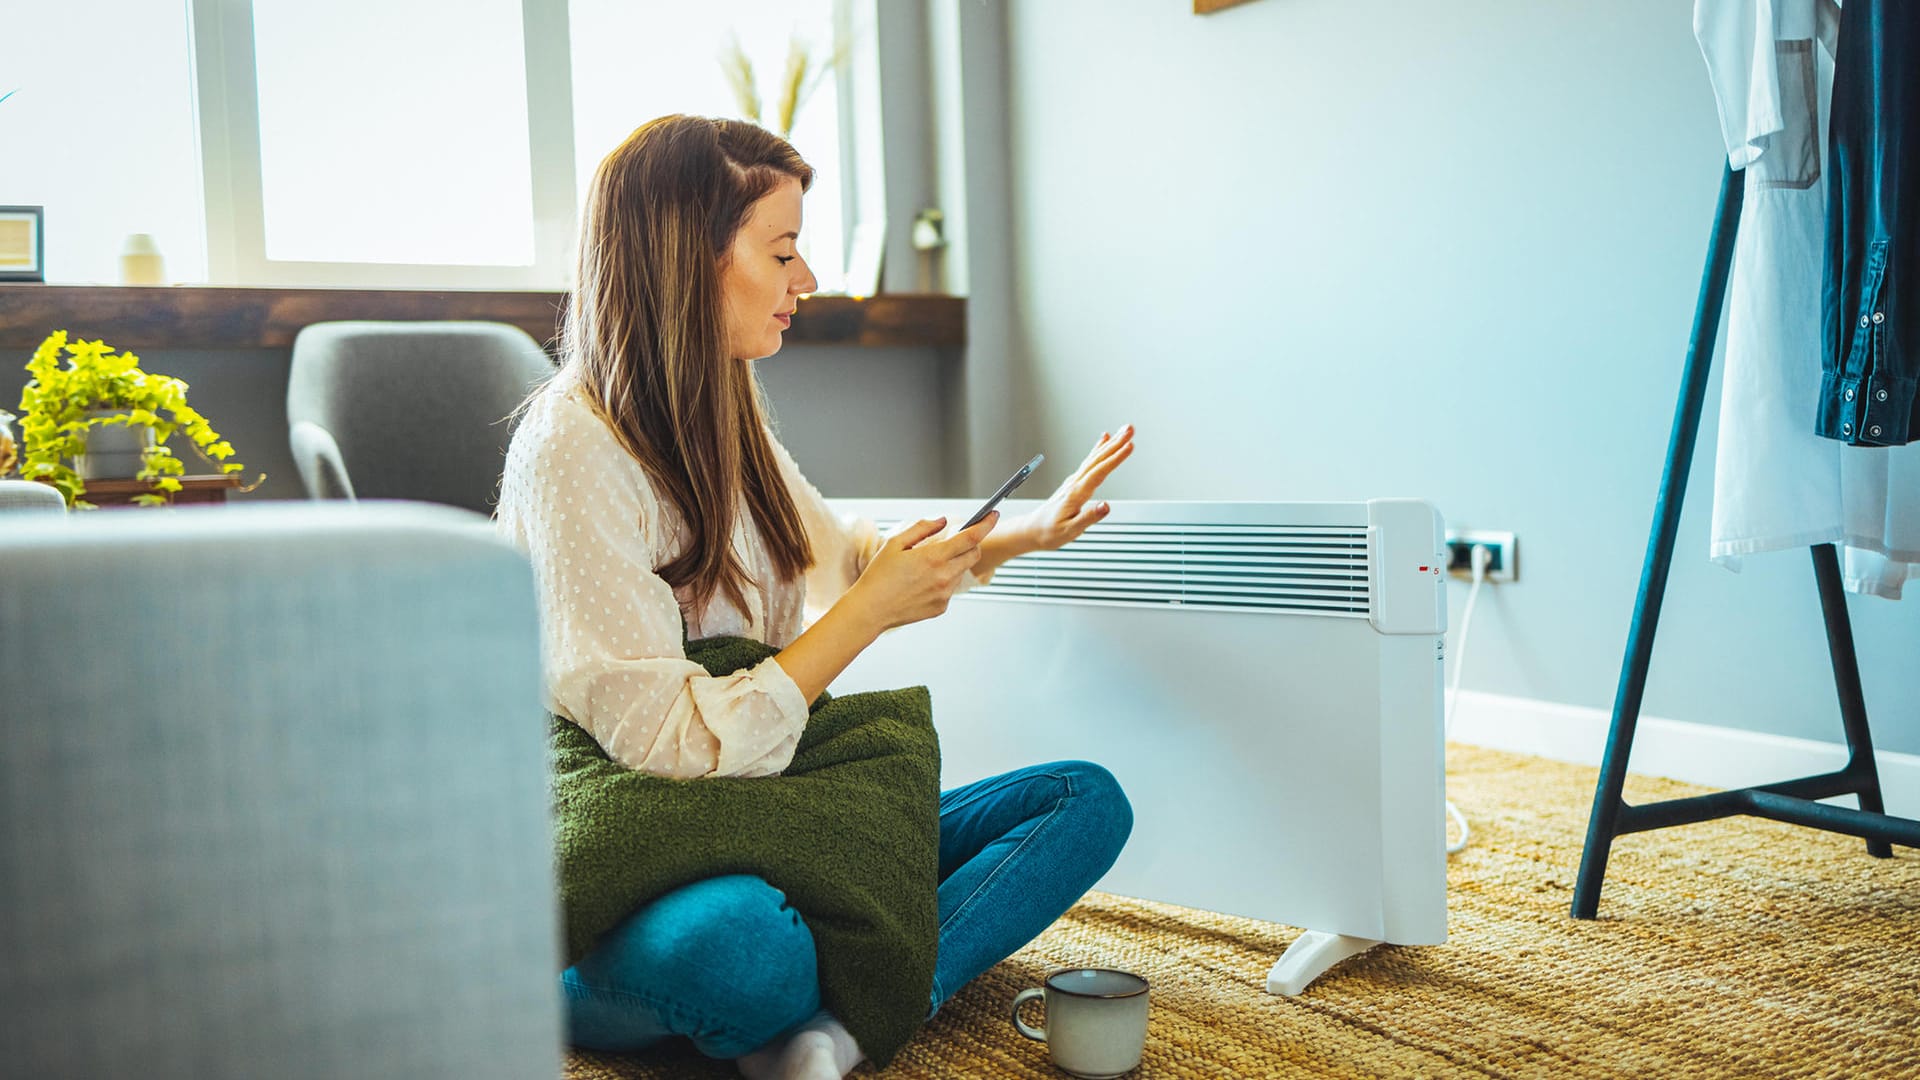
x=585, y=512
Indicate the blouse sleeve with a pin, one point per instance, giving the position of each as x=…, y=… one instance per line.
x=612, y=629
x=843, y=544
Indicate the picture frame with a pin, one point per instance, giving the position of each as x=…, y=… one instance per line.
x=23, y=243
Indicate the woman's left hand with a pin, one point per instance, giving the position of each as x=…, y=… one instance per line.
x=1071, y=508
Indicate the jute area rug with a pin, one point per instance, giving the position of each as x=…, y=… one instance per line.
x=1738, y=948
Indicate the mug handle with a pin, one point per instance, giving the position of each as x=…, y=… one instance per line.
x=1024, y=996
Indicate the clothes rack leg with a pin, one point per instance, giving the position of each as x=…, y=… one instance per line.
x=1862, y=771
x=1607, y=804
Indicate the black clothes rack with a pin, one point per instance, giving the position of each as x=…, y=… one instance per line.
x=1791, y=801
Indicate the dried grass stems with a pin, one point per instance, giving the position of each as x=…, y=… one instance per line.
x=803, y=75
x=738, y=69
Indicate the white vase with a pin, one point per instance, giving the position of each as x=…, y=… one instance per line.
x=114, y=451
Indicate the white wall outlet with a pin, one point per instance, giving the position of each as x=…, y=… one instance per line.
x=1504, y=549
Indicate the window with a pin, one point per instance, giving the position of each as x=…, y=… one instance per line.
x=99, y=131
x=634, y=60
x=425, y=161
x=382, y=143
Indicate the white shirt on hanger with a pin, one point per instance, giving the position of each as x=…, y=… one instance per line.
x=1776, y=484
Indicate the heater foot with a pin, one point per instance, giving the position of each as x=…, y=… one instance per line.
x=1309, y=957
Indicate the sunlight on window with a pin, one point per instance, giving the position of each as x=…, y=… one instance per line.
x=99, y=131
x=391, y=132
x=634, y=60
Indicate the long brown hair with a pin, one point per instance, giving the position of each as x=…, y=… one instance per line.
x=646, y=333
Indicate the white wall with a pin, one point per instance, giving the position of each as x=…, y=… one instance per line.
x=1354, y=248
x=861, y=422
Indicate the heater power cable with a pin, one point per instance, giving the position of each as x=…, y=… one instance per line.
x=1478, y=559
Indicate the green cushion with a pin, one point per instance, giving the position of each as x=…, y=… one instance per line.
x=850, y=832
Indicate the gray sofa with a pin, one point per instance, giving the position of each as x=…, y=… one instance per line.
x=273, y=797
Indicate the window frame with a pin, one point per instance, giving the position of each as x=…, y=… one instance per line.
x=863, y=188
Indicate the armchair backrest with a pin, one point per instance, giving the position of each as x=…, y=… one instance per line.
x=408, y=410
x=30, y=495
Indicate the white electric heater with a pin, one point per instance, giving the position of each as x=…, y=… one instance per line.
x=1264, y=679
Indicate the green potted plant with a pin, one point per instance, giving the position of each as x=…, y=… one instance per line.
x=66, y=407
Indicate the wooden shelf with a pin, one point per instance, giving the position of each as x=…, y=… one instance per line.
x=195, y=316
x=211, y=488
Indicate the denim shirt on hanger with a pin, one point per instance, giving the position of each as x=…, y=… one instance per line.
x=1871, y=302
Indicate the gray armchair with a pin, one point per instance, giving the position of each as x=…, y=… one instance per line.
x=30, y=495
x=399, y=410
x=273, y=797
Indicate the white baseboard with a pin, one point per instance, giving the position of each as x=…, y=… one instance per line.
x=1716, y=757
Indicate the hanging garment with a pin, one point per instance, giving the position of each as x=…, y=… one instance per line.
x=1871, y=362
x=1777, y=485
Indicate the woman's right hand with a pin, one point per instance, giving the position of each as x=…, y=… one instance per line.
x=913, y=576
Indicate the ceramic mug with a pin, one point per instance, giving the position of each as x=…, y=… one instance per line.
x=1096, y=1020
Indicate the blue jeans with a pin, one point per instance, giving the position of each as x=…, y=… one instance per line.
x=728, y=964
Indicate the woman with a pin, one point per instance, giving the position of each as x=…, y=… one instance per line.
x=654, y=502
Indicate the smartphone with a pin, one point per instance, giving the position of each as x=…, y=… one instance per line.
x=1006, y=489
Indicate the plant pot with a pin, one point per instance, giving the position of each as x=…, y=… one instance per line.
x=114, y=452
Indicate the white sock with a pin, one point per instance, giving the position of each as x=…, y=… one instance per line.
x=821, y=1049
x=846, y=1052
x=764, y=1063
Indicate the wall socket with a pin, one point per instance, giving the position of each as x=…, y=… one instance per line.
x=1503, y=566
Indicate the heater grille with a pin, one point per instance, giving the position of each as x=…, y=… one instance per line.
x=1294, y=568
